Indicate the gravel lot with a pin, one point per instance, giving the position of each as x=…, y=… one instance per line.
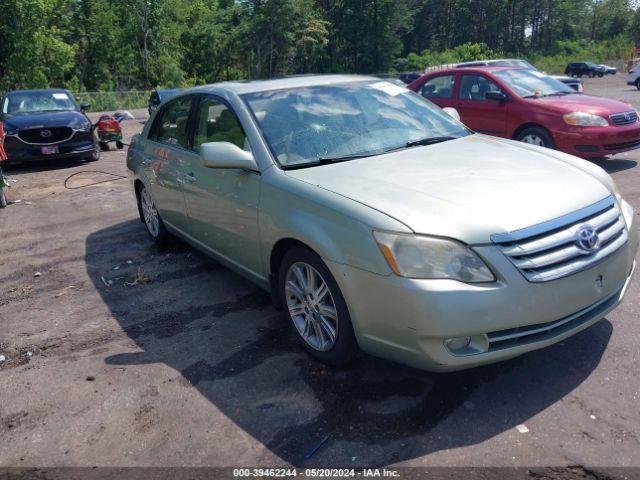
x=190, y=365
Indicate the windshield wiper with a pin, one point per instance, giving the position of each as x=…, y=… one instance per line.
x=328, y=160
x=557, y=94
x=345, y=158
x=427, y=141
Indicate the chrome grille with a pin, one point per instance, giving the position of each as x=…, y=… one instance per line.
x=624, y=118
x=551, y=250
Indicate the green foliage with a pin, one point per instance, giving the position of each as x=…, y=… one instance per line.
x=113, y=101
x=461, y=53
x=618, y=48
x=106, y=45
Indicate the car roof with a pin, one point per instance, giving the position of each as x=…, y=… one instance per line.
x=241, y=87
x=474, y=69
x=492, y=60
x=40, y=90
x=168, y=91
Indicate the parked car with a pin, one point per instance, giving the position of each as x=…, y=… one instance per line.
x=408, y=77
x=578, y=69
x=380, y=223
x=608, y=69
x=574, y=83
x=531, y=107
x=633, y=77
x=47, y=124
x=159, y=96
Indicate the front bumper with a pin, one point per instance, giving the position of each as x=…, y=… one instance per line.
x=81, y=145
x=598, y=141
x=407, y=320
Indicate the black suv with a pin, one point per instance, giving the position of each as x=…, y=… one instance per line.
x=159, y=96
x=46, y=125
x=578, y=69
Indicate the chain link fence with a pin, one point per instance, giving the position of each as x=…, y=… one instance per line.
x=112, y=101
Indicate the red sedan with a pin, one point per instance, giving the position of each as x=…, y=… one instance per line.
x=532, y=107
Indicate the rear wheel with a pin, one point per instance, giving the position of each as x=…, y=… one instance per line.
x=638, y=83
x=151, y=217
x=536, y=136
x=316, y=308
x=104, y=146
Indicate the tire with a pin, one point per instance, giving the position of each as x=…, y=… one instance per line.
x=600, y=75
x=151, y=218
x=119, y=145
x=95, y=156
x=3, y=198
x=103, y=146
x=536, y=136
x=311, y=328
x=638, y=83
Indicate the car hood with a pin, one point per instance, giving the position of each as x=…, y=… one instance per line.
x=467, y=188
x=579, y=102
x=71, y=119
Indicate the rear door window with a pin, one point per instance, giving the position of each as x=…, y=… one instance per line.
x=171, y=124
x=438, y=87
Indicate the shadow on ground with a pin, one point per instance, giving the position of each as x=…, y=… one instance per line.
x=612, y=165
x=226, y=340
x=43, y=166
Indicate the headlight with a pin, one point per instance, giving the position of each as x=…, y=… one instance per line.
x=583, y=119
x=10, y=131
x=415, y=256
x=84, y=128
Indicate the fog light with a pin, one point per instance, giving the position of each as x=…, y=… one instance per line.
x=456, y=344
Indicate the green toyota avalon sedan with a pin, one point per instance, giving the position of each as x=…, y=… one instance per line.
x=380, y=223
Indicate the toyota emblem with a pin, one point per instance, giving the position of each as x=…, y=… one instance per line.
x=587, y=239
x=45, y=133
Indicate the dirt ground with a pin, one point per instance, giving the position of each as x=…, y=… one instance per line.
x=121, y=354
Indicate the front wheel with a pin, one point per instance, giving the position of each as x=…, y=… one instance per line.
x=316, y=308
x=94, y=157
x=536, y=136
x=151, y=218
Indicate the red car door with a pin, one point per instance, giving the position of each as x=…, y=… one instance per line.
x=476, y=111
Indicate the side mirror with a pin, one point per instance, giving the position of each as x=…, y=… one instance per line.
x=452, y=112
x=85, y=107
x=226, y=155
x=497, y=96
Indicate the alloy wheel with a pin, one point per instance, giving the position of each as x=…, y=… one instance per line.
x=311, y=306
x=149, y=213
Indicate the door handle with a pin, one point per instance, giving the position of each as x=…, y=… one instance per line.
x=190, y=177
